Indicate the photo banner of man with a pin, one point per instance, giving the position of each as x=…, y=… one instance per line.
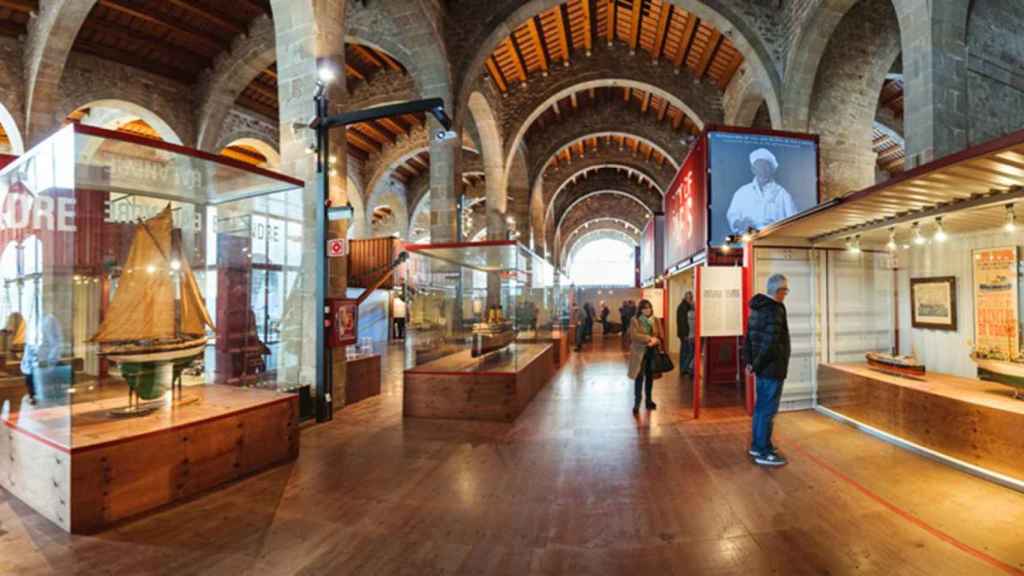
x=759, y=179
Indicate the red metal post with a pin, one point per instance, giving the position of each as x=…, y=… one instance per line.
x=748, y=293
x=698, y=361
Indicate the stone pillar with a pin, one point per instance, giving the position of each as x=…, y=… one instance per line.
x=305, y=35
x=935, y=70
x=445, y=186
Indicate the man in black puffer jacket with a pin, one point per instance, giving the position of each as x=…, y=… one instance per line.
x=766, y=354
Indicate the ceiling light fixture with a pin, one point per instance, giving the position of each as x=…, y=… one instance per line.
x=918, y=238
x=1011, y=219
x=892, y=239
x=940, y=232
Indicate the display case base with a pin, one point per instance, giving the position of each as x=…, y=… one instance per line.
x=85, y=470
x=362, y=379
x=460, y=387
x=967, y=420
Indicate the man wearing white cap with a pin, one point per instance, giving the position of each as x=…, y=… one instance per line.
x=763, y=201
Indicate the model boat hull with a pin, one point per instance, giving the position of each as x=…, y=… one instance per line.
x=1001, y=372
x=896, y=366
x=170, y=352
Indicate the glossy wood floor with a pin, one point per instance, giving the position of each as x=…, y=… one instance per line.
x=575, y=486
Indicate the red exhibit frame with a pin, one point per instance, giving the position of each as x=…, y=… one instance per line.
x=343, y=324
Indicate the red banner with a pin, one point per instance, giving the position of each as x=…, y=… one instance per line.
x=686, y=209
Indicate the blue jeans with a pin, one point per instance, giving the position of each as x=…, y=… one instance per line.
x=769, y=392
x=686, y=356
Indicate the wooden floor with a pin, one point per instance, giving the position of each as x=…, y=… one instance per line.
x=575, y=486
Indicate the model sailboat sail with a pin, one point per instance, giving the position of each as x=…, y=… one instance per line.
x=146, y=322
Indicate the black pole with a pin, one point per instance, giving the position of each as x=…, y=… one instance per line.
x=324, y=357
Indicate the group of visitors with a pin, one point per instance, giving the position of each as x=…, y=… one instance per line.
x=766, y=353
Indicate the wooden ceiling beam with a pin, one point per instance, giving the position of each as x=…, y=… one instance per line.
x=730, y=71
x=645, y=103
x=714, y=42
x=561, y=27
x=215, y=45
x=611, y=21
x=538, y=44
x=262, y=91
x=625, y=94
x=588, y=24
x=355, y=72
x=8, y=28
x=496, y=75
x=634, y=24
x=359, y=141
x=692, y=23
x=108, y=53
x=256, y=106
x=22, y=6
x=574, y=101
x=368, y=54
x=100, y=30
x=418, y=163
x=370, y=130
x=517, y=58
x=663, y=110
x=209, y=16
x=664, y=17
x=393, y=125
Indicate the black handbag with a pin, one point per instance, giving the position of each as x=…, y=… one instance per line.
x=660, y=362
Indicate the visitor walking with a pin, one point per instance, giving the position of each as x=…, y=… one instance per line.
x=605, y=312
x=766, y=354
x=588, y=331
x=645, y=337
x=626, y=313
x=579, y=320
x=398, y=312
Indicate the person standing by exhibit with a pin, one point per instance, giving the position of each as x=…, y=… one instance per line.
x=626, y=313
x=579, y=320
x=398, y=313
x=645, y=338
x=766, y=352
x=762, y=201
x=605, y=312
x=683, y=331
x=588, y=325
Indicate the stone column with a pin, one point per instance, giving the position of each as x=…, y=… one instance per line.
x=445, y=186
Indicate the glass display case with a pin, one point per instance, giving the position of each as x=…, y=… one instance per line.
x=487, y=312
x=480, y=306
x=143, y=286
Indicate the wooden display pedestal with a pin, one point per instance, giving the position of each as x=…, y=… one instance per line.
x=562, y=341
x=492, y=388
x=362, y=378
x=99, y=470
x=972, y=421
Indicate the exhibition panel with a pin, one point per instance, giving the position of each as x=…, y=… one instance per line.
x=149, y=300
x=918, y=336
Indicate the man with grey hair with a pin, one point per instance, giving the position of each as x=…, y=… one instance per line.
x=766, y=354
x=761, y=201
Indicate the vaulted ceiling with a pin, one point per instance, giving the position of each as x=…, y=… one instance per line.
x=14, y=16
x=569, y=30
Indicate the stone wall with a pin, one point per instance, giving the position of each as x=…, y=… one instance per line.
x=12, y=82
x=243, y=123
x=995, y=69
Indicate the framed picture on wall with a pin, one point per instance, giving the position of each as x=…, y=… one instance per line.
x=344, y=328
x=933, y=303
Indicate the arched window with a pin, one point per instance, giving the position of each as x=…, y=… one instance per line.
x=604, y=262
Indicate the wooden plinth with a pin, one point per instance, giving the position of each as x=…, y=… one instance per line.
x=496, y=388
x=562, y=346
x=84, y=470
x=970, y=420
x=362, y=378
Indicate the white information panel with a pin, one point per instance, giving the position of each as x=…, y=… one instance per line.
x=721, y=305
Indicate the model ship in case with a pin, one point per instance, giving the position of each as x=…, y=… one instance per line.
x=492, y=335
x=156, y=322
x=996, y=366
x=904, y=366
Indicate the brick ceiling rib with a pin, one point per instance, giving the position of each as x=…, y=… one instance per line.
x=652, y=26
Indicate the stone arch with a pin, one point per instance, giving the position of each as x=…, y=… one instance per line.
x=231, y=73
x=630, y=194
x=50, y=37
x=10, y=128
x=722, y=14
x=265, y=148
x=113, y=113
x=543, y=102
x=847, y=86
x=594, y=208
x=360, y=227
x=606, y=177
x=599, y=231
x=491, y=152
x=745, y=98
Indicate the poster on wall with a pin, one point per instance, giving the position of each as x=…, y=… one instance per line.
x=933, y=303
x=686, y=210
x=721, y=301
x=652, y=249
x=759, y=179
x=996, y=326
x=344, y=328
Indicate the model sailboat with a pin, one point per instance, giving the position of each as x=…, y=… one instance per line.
x=149, y=320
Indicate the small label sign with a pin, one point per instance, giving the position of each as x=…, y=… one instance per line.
x=337, y=248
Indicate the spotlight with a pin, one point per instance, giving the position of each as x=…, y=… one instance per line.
x=749, y=235
x=853, y=245
x=1011, y=219
x=892, y=239
x=918, y=238
x=175, y=265
x=940, y=232
x=325, y=74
